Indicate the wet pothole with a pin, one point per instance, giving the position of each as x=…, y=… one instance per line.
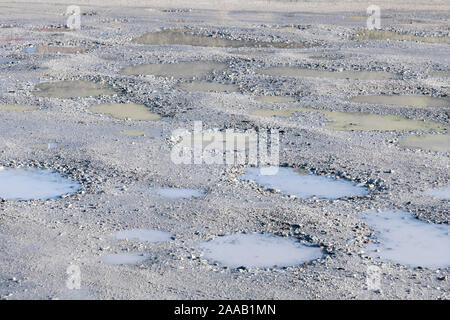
x=13, y=107
x=8, y=60
x=200, y=38
x=144, y=235
x=419, y=101
x=207, y=86
x=323, y=58
x=34, y=184
x=275, y=99
x=180, y=70
x=55, y=49
x=126, y=111
x=124, y=258
x=397, y=36
x=439, y=74
x=71, y=89
x=401, y=238
x=303, y=185
x=359, y=120
x=178, y=193
x=45, y=146
x=429, y=142
x=258, y=251
x=294, y=72
x=440, y=193
x=134, y=133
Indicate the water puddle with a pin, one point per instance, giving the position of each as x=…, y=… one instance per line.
x=16, y=108
x=145, y=235
x=359, y=120
x=357, y=17
x=275, y=99
x=323, y=58
x=439, y=74
x=411, y=100
x=55, y=49
x=134, y=133
x=126, y=111
x=294, y=72
x=430, y=142
x=45, y=146
x=71, y=89
x=178, y=193
x=34, y=184
x=55, y=29
x=400, y=238
x=199, y=38
x=124, y=258
x=258, y=251
x=397, y=36
x=253, y=52
x=440, y=193
x=369, y=121
x=183, y=70
x=206, y=86
x=30, y=49
x=8, y=60
x=303, y=185
x=285, y=113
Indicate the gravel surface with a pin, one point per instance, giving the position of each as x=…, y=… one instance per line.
x=39, y=240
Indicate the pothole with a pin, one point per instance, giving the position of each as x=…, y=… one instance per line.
x=144, y=235
x=55, y=49
x=429, y=142
x=397, y=36
x=440, y=193
x=419, y=101
x=126, y=111
x=178, y=193
x=258, y=251
x=286, y=71
x=13, y=107
x=134, y=133
x=323, y=58
x=401, y=238
x=8, y=60
x=71, y=89
x=303, y=185
x=45, y=146
x=34, y=184
x=439, y=74
x=55, y=29
x=275, y=99
x=359, y=120
x=183, y=70
x=124, y=258
x=207, y=86
x=252, y=52
x=199, y=38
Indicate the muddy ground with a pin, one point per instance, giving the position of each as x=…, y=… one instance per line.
x=39, y=240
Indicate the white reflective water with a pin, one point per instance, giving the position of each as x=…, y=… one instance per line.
x=146, y=235
x=124, y=258
x=258, y=251
x=290, y=181
x=175, y=193
x=7, y=60
x=440, y=193
x=403, y=239
x=34, y=184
